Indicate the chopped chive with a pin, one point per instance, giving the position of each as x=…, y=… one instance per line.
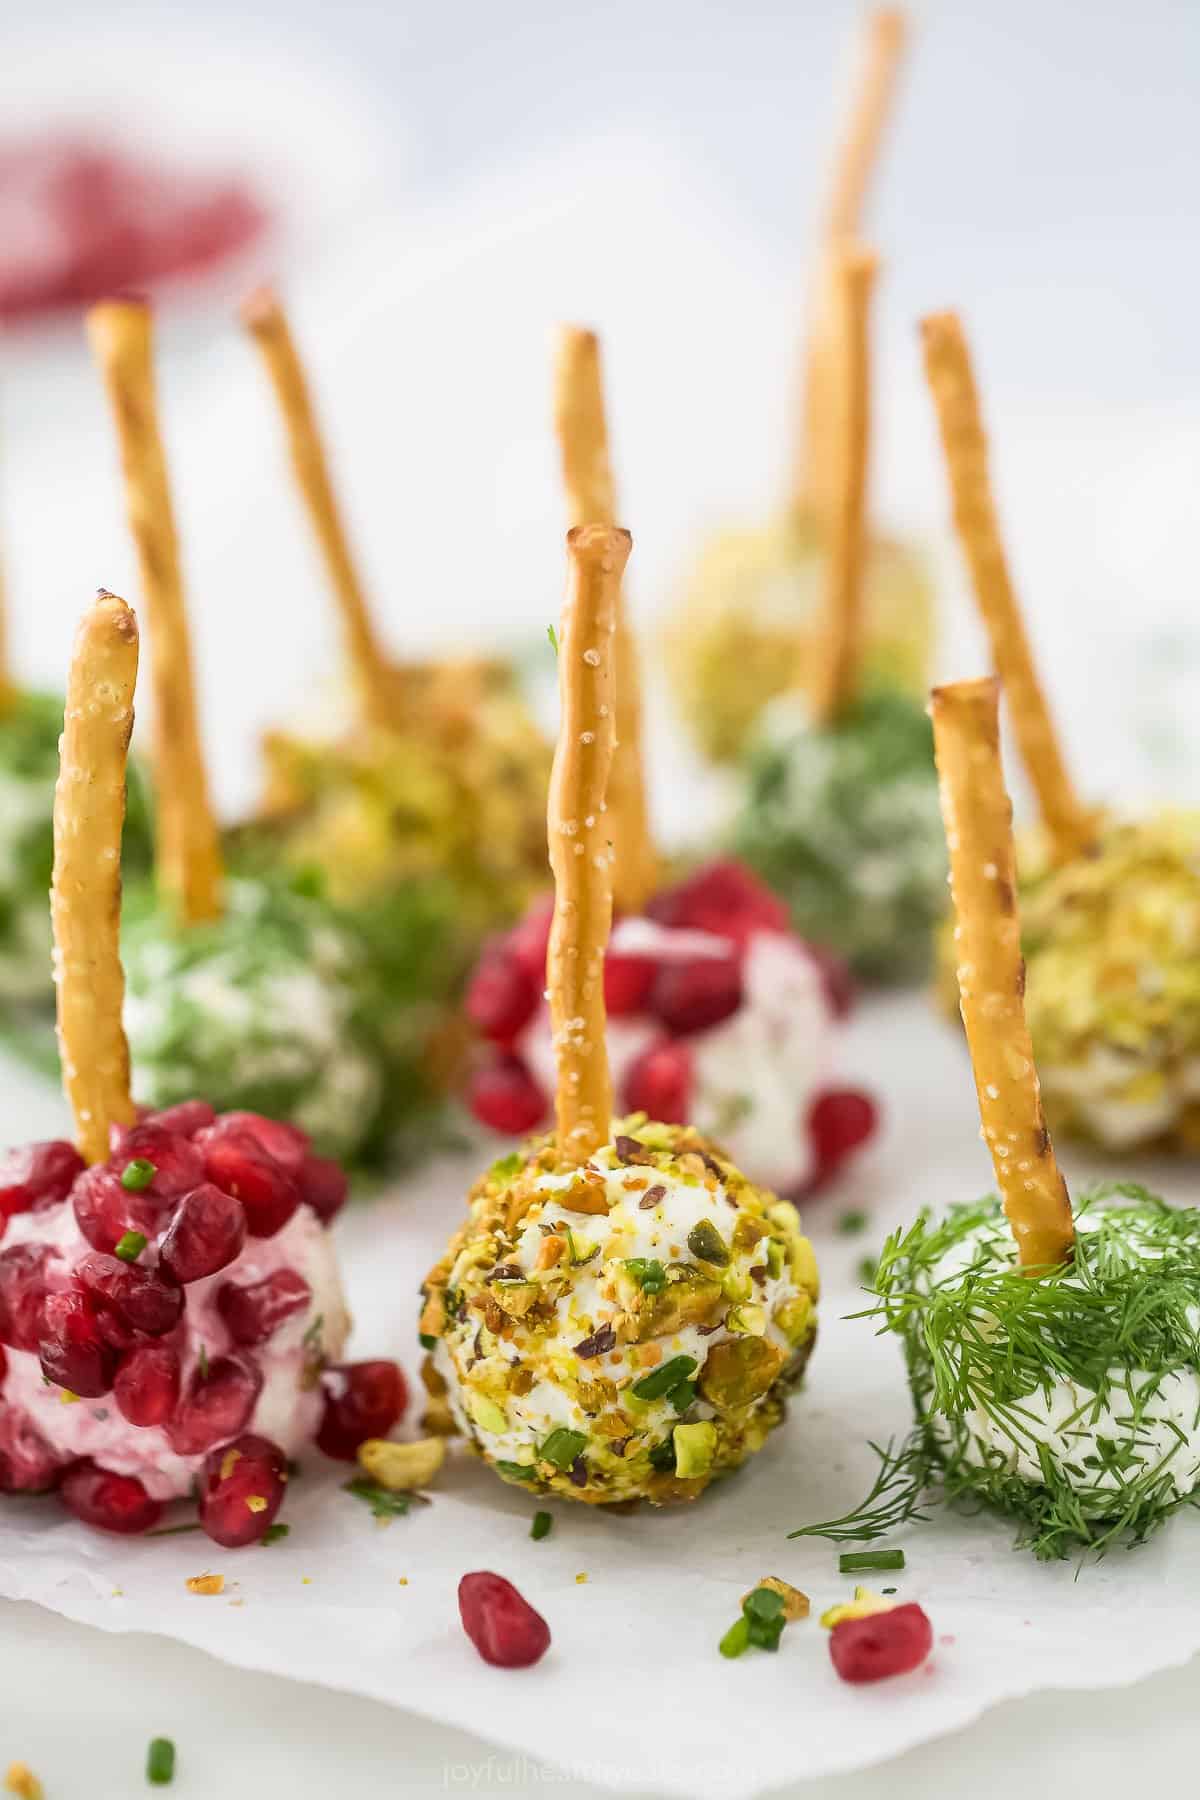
x=553, y=636
x=889, y=1590
x=668, y=1375
x=648, y=1272
x=764, y=1603
x=681, y=1397
x=384, y=1504
x=160, y=1762
x=517, y=1471
x=662, y=1457
x=273, y=1533
x=868, y=1268
x=129, y=1245
x=851, y=1223
x=851, y=1561
x=541, y=1526
x=562, y=1447
x=137, y=1174
x=736, y=1639
x=427, y=1342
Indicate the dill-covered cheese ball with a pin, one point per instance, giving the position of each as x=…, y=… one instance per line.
x=266, y=1009
x=1072, y=1401
x=842, y=822
x=625, y=1329
x=749, y=615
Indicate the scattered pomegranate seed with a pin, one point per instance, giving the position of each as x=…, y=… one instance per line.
x=659, y=1083
x=287, y=1144
x=242, y=1489
x=504, y=1096
x=206, y=1234
x=215, y=1405
x=501, y=995
x=724, y=898
x=22, y=1294
x=836, y=979
x=149, y=1301
x=112, y=1502
x=73, y=1350
x=697, y=994
x=105, y=1211
x=627, y=981
x=841, y=1119
x=27, y=1463
x=362, y=1400
x=184, y=1120
x=37, y=1176
x=252, y=1313
x=178, y=1165
x=501, y=1624
x=886, y=1643
x=147, y=1383
x=236, y=1160
x=323, y=1186
x=530, y=940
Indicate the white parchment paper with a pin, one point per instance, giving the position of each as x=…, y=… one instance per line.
x=633, y=1693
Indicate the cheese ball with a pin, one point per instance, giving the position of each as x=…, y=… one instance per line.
x=1072, y=1401
x=629, y=1329
x=746, y=621
x=267, y=1009
x=843, y=823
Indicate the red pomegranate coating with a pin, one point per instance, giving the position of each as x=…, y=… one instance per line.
x=659, y=1083
x=504, y=1096
x=73, y=1350
x=883, y=1644
x=501, y=1624
x=252, y=1313
x=185, y=1120
x=22, y=1294
x=36, y=1176
x=28, y=1465
x=206, y=1233
x=723, y=898
x=105, y=1210
x=147, y=1384
x=236, y=1160
x=502, y=995
x=135, y=1300
x=627, y=982
x=178, y=1165
x=529, y=941
x=111, y=1502
x=362, y=1400
x=324, y=1185
x=242, y=1489
x=697, y=994
x=841, y=1121
x=216, y=1404
x=286, y=1144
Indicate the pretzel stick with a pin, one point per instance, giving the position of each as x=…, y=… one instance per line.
x=991, y=972
x=264, y=319
x=580, y=850
x=591, y=500
x=955, y=396
x=188, y=859
x=856, y=157
x=838, y=657
x=85, y=897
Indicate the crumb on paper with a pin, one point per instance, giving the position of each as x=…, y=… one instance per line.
x=306, y=1581
x=205, y=1584
x=20, y=1779
x=404, y=1581
x=580, y=1579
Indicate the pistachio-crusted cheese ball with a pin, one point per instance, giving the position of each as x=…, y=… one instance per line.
x=842, y=821
x=625, y=1329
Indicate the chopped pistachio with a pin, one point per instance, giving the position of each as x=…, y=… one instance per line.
x=402, y=1467
x=747, y=1321
x=487, y=1414
x=706, y=1243
x=694, y=1447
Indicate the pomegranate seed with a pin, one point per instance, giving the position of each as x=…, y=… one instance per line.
x=501, y=995
x=148, y=1301
x=22, y=1294
x=73, y=1350
x=883, y=1644
x=694, y=995
x=836, y=979
x=37, y=1176
x=362, y=1400
x=840, y=1120
x=237, y=1162
x=27, y=1463
x=215, y=1405
x=627, y=981
x=178, y=1165
x=111, y=1502
x=529, y=941
x=724, y=898
x=184, y=1120
x=105, y=1211
x=504, y=1096
x=503, y=1627
x=659, y=1083
x=323, y=1186
x=285, y=1143
x=146, y=1385
x=252, y=1313
x=206, y=1234
x=242, y=1489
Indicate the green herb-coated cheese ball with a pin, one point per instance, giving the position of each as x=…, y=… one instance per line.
x=624, y=1330
x=843, y=823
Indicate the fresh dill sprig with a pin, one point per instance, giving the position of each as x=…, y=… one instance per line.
x=894, y=1499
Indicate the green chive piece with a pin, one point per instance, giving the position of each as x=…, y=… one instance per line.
x=129, y=1246
x=736, y=1639
x=427, y=1342
x=273, y=1533
x=662, y=1457
x=384, y=1504
x=648, y=1272
x=160, y=1762
x=706, y=1242
x=765, y=1634
x=851, y=1561
x=541, y=1526
x=517, y=1471
x=889, y=1590
x=681, y=1397
x=562, y=1447
x=765, y=1604
x=553, y=636
x=668, y=1375
x=851, y=1223
x=868, y=1268
x=138, y=1174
